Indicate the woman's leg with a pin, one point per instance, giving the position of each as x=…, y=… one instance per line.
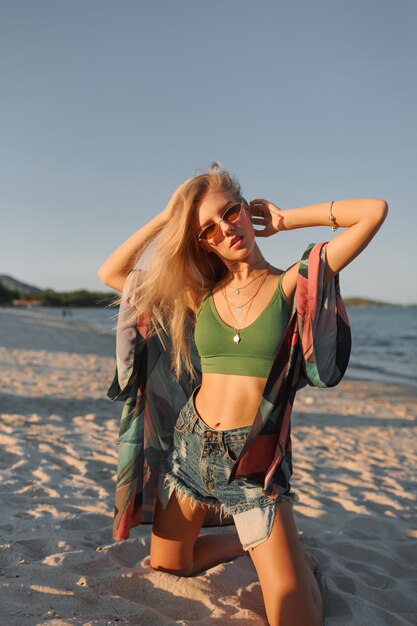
x=290, y=591
x=175, y=545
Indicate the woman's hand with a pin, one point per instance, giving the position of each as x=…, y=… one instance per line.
x=116, y=268
x=169, y=211
x=266, y=214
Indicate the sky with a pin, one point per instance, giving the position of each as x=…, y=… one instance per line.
x=107, y=106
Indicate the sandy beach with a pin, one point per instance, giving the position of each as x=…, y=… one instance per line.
x=355, y=471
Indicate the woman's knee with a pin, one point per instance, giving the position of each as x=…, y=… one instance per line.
x=172, y=555
x=289, y=603
x=169, y=567
x=283, y=574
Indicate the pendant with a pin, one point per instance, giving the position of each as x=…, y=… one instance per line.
x=236, y=292
x=238, y=310
x=236, y=338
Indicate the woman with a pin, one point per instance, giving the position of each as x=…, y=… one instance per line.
x=206, y=277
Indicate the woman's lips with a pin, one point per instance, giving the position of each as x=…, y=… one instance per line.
x=237, y=244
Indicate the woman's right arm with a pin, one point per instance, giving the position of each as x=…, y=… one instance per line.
x=115, y=269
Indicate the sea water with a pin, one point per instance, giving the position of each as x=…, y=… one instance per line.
x=384, y=344
x=384, y=339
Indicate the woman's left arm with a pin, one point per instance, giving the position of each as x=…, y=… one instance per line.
x=362, y=217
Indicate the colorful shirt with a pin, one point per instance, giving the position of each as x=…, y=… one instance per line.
x=315, y=350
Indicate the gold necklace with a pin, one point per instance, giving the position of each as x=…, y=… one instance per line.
x=237, y=329
x=246, y=268
x=238, y=309
x=237, y=291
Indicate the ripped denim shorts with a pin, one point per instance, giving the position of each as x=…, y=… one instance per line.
x=198, y=465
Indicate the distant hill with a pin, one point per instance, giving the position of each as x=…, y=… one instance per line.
x=13, y=292
x=366, y=302
x=16, y=285
x=83, y=297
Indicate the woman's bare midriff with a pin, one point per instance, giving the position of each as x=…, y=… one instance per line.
x=228, y=401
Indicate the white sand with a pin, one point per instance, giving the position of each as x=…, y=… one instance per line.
x=354, y=470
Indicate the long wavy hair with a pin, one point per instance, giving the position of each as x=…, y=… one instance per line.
x=178, y=271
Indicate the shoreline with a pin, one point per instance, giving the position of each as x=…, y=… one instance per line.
x=355, y=461
x=82, y=326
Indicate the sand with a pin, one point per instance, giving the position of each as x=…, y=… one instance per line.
x=355, y=461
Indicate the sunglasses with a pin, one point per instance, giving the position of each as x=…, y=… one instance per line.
x=230, y=215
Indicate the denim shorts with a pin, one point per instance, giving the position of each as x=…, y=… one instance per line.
x=198, y=465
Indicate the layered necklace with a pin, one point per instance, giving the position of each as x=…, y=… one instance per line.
x=236, y=291
x=238, y=309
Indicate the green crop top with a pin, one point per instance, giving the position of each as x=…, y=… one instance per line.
x=259, y=344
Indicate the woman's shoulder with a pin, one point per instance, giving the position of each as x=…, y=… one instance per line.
x=275, y=271
x=202, y=299
x=195, y=300
x=288, y=281
x=132, y=280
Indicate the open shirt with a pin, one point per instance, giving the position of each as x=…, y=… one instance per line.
x=314, y=350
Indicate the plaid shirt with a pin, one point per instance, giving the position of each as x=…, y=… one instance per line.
x=315, y=350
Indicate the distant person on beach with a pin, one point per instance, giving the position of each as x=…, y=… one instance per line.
x=66, y=312
x=207, y=285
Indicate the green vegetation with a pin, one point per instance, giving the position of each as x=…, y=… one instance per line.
x=6, y=295
x=82, y=297
x=366, y=302
x=11, y=290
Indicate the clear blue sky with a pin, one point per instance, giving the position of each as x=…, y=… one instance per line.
x=107, y=106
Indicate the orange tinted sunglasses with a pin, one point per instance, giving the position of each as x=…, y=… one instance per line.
x=231, y=214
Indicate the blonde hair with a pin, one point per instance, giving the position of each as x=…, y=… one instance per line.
x=178, y=271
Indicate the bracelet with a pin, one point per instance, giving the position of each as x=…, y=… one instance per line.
x=332, y=218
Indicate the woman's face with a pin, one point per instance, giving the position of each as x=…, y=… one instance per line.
x=234, y=240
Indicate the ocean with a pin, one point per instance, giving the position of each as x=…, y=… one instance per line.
x=384, y=340
x=384, y=344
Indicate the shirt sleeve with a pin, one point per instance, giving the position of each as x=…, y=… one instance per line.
x=130, y=343
x=323, y=323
